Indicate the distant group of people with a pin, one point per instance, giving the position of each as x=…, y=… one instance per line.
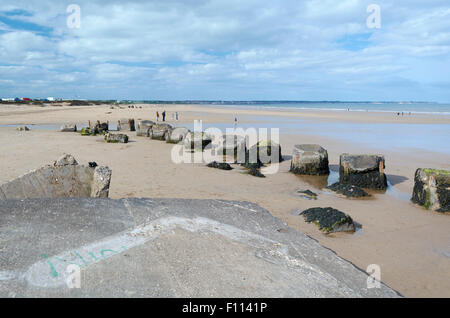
x=174, y=116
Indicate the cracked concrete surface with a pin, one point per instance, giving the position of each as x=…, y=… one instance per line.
x=165, y=248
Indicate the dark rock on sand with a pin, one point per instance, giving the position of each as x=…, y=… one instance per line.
x=350, y=191
x=254, y=171
x=219, y=165
x=365, y=171
x=308, y=194
x=432, y=189
x=329, y=220
x=248, y=164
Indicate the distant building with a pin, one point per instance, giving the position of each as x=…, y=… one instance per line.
x=26, y=99
x=51, y=99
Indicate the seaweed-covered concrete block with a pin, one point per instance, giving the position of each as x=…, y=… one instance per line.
x=159, y=131
x=309, y=160
x=143, y=126
x=98, y=127
x=94, y=130
x=329, y=220
x=176, y=135
x=116, y=138
x=432, y=189
x=197, y=141
x=125, y=124
x=231, y=145
x=22, y=128
x=266, y=151
x=365, y=171
x=65, y=178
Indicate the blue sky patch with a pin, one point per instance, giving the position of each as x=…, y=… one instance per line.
x=17, y=24
x=354, y=42
x=17, y=12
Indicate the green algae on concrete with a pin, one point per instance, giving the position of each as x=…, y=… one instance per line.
x=432, y=189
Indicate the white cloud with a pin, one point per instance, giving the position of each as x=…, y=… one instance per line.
x=256, y=49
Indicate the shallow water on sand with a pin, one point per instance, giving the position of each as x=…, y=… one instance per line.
x=321, y=182
x=431, y=137
x=53, y=127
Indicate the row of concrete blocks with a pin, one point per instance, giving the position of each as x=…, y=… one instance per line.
x=162, y=131
x=431, y=186
x=122, y=124
x=365, y=170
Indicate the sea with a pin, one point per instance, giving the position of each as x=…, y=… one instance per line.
x=393, y=107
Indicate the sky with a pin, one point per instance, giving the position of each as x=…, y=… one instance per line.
x=226, y=50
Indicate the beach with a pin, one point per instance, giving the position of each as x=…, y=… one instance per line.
x=410, y=244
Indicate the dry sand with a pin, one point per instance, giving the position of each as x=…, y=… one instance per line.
x=411, y=245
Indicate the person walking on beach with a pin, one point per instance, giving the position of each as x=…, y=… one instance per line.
x=157, y=116
x=176, y=115
x=164, y=115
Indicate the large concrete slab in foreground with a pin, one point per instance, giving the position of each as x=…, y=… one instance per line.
x=165, y=248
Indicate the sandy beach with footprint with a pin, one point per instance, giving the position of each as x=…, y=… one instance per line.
x=409, y=243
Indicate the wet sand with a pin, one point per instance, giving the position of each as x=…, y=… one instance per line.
x=411, y=245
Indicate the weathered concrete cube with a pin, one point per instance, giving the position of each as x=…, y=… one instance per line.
x=125, y=124
x=231, y=145
x=116, y=138
x=65, y=178
x=176, y=135
x=365, y=171
x=98, y=126
x=68, y=128
x=432, y=189
x=267, y=151
x=309, y=159
x=197, y=141
x=143, y=126
x=159, y=131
